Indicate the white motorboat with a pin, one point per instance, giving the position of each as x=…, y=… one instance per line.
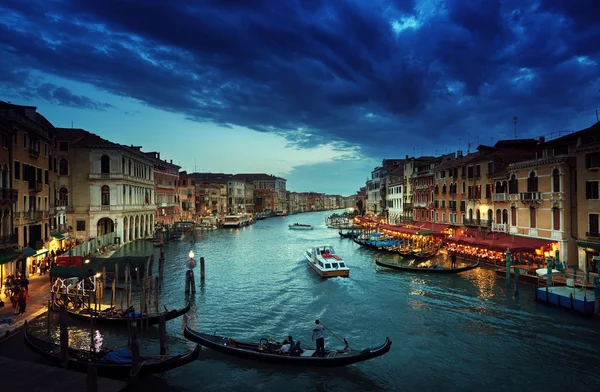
x=300, y=226
x=326, y=262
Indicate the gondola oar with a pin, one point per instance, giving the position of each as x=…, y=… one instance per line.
x=340, y=339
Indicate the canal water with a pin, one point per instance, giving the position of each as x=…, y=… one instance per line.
x=459, y=332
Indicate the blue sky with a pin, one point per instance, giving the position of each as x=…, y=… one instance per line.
x=318, y=92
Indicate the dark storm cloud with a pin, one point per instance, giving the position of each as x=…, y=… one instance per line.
x=383, y=75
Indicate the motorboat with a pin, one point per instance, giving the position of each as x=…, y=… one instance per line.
x=301, y=226
x=326, y=262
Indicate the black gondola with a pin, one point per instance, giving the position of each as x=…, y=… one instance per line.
x=112, y=317
x=80, y=359
x=267, y=352
x=427, y=269
x=424, y=255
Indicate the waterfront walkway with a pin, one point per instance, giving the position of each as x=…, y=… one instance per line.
x=39, y=294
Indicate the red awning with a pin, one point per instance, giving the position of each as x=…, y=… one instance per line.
x=523, y=244
x=401, y=229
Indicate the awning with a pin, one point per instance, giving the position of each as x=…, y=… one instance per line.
x=41, y=252
x=9, y=256
x=27, y=251
x=524, y=244
x=71, y=272
x=425, y=232
x=58, y=236
x=590, y=245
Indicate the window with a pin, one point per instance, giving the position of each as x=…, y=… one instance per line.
x=532, y=182
x=513, y=185
x=490, y=168
x=63, y=167
x=555, y=180
x=532, y=216
x=513, y=216
x=5, y=140
x=17, y=170
x=477, y=171
x=63, y=146
x=498, y=216
x=63, y=195
x=463, y=205
x=470, y=172
x=592, y=160
x=105, y=195
x=464, y=187
x=593, y=225
x=80, y=226
x=45, y=149
x=556, y=218
x=591, y=190
x=444, y=189
x=105, y=164
x=488, y=191
x=46, y=177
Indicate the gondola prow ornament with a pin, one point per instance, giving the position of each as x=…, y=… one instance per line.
x=191, y=262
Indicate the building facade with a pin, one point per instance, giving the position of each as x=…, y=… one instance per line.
x=166, y=189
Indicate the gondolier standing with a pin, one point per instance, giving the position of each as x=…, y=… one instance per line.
x=453, y=259
x=319, y=338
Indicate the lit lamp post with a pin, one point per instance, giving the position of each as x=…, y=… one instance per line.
x=191, y=262
x=116, y=232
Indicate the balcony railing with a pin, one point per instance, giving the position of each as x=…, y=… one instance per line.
x=9, y=195
x=35, y=186
x=499, y=197
x=591, y=234
x=500, y=227
x=61, y=203
x=408, y=206
x=473, y=222
x=421, y=204
x=530, y=196
x=34, y=215
x=8, y=240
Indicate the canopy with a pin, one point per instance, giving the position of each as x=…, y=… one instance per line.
x=27, y=251
x=71, y=272
x=58, y=236
x=9, y=256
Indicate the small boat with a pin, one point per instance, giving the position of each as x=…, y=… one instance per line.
x=269, y=352
x=118, y=317
x=436, y=269
x=424, y=255
x=300, y=226
x=109, y=363
x=326, y=262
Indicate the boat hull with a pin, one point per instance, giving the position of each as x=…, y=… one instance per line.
x=333, y=358
x=151, y=319
x=341, y=273
x=427, y=270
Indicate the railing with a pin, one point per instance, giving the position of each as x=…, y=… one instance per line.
x=35, y=186
x=592, y=234
x=408, y=206
x=500, y=227
x=499, y=197
x=33, y=152
x=105, y=207
x=11, y=239
x=60, y=203
x=421, y=204
x=530, y=196
x=473, y=222
x=34, y=215
x=9, y=195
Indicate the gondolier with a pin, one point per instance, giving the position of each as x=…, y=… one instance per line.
x=319, y=338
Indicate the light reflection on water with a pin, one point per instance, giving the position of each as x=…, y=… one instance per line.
x=463, y=331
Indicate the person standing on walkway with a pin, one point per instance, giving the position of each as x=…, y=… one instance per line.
x=319, y=338
x=23, y=299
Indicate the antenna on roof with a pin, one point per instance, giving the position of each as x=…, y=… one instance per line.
x=515, y=121
x=468, y=142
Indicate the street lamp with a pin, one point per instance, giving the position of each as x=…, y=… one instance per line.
x=191, y=263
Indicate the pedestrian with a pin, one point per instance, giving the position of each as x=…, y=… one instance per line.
x=25, y=283
x=23, y=299
x=319, y=338
x=453, y=259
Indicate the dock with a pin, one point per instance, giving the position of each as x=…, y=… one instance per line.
x=579, y=300
x=34, y=377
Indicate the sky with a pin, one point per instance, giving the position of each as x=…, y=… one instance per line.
x=317, y=92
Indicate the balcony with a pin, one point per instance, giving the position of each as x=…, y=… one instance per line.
x=592, y=234
x=34, y=216
x=530, y=196
x=9, y=240
x=500, y=227
x=60, y=203
x=33, y=152
x=421, y=204
x=408, y=206
x=9, y=195
x=499, y=197
x=35, y=186
x=473, y=222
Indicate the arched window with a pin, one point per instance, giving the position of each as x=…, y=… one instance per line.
x=490, y=218
x=63, y=195
x=556, y=218
x=437, y=189
x=532, y=182
x=478, y=216
x=555, y=181
x=513, y=185
x=498, y=216
x=499, y=188
x=470, y=214
x=105, y=195
x=444, y=189
x=105, y=164
x=63, y=167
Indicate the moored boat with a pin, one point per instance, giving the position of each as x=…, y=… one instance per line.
x=436, y=269
x=300, y=226
x=326, y=262
x=120, y=317
x=266, y=351
x=109, y=363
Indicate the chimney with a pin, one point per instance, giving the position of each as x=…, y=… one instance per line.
x=171, y=161
x=542, y=139
x=158, y=155
x=459, y=154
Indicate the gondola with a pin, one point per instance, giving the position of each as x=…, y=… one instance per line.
x=427, y=269
x=112, y=317
x=109, y=363
x=268, y=352
x=425, y=254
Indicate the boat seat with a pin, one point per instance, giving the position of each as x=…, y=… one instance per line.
x=308, y=353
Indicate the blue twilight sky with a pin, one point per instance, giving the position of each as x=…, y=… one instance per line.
x=316, y=91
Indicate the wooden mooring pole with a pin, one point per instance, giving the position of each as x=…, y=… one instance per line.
x=162, y=334
x=190, y=283
x=64, y=337
x=201, y=268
